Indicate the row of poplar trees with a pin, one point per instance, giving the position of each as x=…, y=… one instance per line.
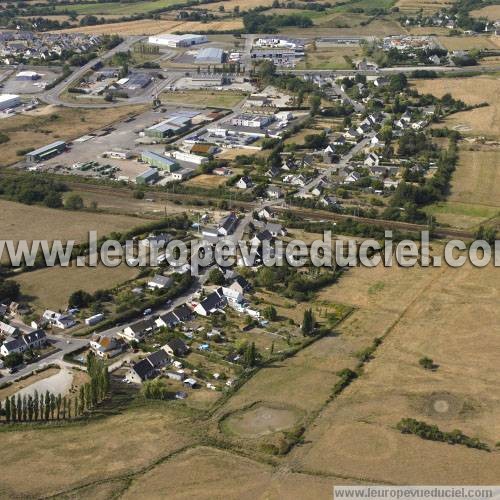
x=45, y=407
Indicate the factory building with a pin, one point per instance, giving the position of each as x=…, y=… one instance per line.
x=210, y=55
x=176, y=124
x=248, y=120
x=169, y=40
x=160, y=161
x=188, y=157
x=8, y=101
x=27, y=76
x=148, y=177
x=46, y=152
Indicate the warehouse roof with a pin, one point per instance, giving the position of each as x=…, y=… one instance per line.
x=210, y=54
x=153, y=155
x=8, y=97
x=49, y=147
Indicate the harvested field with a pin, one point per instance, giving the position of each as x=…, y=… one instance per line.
x=355, y=435
x=259, y=421
x=118, y=446
x=53, y=123
x=207, y=181
x=152, y=27
x=41, y=223
x=66, y=280
x=330, y=58
x=474, y=90
x=491, y=12
x=469, y=42
x=472, y=200
x=221, y=474
x=427, y=6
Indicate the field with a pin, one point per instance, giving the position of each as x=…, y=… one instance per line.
x=330, y=58
x=216, y=99
x=41, y=223
x=472, y=200
x=207, y=181
x=491, y=12
x=427, y=6
x=152, y=27
x=125, y=9
x=469, y=42
x=53, y=123
x=118, y=446
x=474, y=90
x=355, y=436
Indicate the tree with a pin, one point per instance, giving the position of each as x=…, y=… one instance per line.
x=13, y=411
x=19, y=408
x=36, y=402
x=250, y=356
x=47, y=405
x=80, y=299
x=315, y=103
x=53, y=200
x=216, y=277
x=25, y=408
x=30, y=407
x=13, y=359
x=7, y=410
x=73, y=202
x=426, y=363
x=270, y=313
x=58, y=406
x=308, y=323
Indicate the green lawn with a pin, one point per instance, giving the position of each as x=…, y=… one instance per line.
x=125, y=9
x=461, y=215
x=216, y=99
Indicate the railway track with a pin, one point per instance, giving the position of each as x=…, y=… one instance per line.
x=305, y=213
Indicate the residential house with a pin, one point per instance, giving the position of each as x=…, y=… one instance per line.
x=352, y=177
x=244, y=182
x=351, y=135
x=273, y=172
x=148, y=367
x=329, y=201
x=159, y=282
x=274, y=192
x=138, y=330
x=211, y=303
x=241, y=285
x=32, y=340
x=59, y=320
x=266, y=213
x=8, y=330
x=372, y=160
x=227, y=224
x=275, y=229
x=176, y=347
x=106, y=346
x=179, y=315
x=262, y=236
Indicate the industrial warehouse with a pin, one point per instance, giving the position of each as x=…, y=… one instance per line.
x=169, y=40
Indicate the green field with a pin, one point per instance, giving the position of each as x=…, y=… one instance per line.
x=125, y=9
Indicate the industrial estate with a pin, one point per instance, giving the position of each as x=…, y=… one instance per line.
x=161, y=126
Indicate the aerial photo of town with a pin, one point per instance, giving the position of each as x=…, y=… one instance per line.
x=249, y=249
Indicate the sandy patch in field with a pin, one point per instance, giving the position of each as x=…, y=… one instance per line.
x=491, y=12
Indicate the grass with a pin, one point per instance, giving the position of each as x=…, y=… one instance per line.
x=66, y=280
x=474, y=90
x=32, y=222
x=330, y=58
x=207, y=181
x=357, y=431
x=468, y=42
x=216, y=99
x=51, y=123
x=124, y=9
x=491, y=12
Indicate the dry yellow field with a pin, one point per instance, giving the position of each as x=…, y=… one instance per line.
x=491, y=12
x=52, y=123
x=118, y=445
x=469, y=42
x=33, y=222
x=51, y=287
x=427, y=6
x=221, y=474
x=152, y=27
x=475, y=90
x=207, y=181
x=450, y=316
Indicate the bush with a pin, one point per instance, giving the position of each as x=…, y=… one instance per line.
x=73, y=202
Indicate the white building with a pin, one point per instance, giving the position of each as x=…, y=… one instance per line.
x=170, y=40
x=8, y=101
x=188, y=157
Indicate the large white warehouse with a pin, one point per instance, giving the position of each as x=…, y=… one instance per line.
x=9, y=101
x=169, y=40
